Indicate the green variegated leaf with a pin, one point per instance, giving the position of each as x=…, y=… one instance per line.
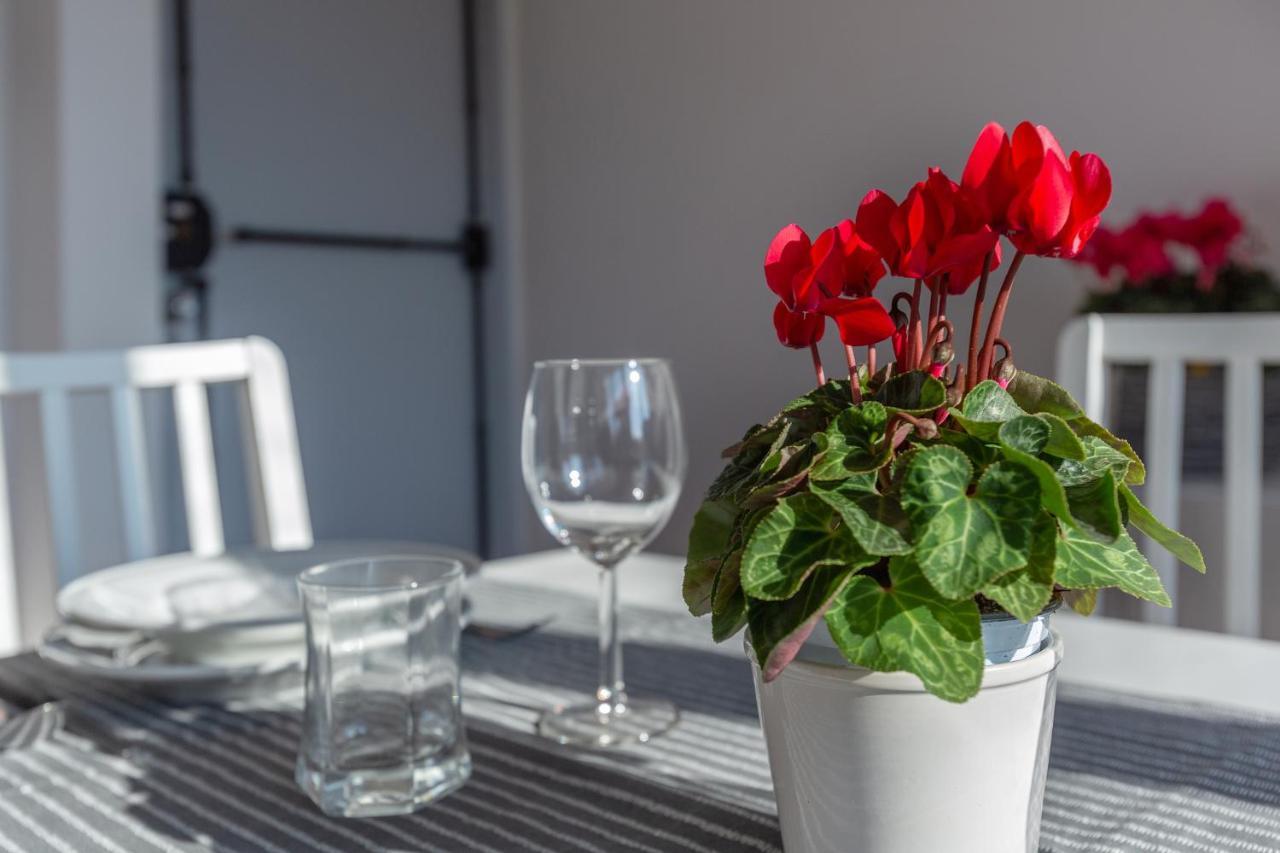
x=1062, y=443
x=916, y=393
x=1085, y=563
x=778, y=629
x=776, y=481
x=1096, y=507
x=1052, y=494
x=728, y=601
x=796, y=537
x=980, y=453
x=1025, y=433
x=853, y=443
x=731, y=618
x=877, y=521
x=907, y=627
x=1022, y=439
x=1173, y=541
x=708, y=545
x=898, y=467
x=1085, y=428
x=830, y=398
x=990, y=403
x=1026, y=591
x=985, y=409
x=1036, y=394
x=781, y=456
x=759, y=435
x=1099, y=458
x=963, y=542
x=742, y=470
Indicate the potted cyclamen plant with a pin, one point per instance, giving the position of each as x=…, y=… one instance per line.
x=908, y=531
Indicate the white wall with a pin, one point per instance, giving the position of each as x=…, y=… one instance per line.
x=80, y=231
x=665, y=142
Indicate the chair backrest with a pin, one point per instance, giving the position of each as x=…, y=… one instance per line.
x=278, y=501
x=1242, y=344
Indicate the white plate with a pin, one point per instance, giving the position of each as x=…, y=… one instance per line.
x=241, y=587
x=195, y=628
x=130, y=658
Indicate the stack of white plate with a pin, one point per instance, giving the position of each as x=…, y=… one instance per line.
x=200, y=627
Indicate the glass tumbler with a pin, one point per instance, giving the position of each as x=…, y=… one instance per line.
x=382, y=731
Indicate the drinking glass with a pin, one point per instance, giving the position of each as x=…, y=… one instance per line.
x=603, y=456
x=382, y=732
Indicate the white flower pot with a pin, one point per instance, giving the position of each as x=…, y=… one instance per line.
x=868, y=762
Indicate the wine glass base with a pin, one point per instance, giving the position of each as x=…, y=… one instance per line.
x=634, y=721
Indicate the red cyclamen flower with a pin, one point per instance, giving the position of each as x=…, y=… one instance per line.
x=989, y=176
x=1137, y=250
x=862, y=266
x=1210, y=233
x=1058, y=200
x=799, y=271
x=862, y=322
x=809, y=278
x=797, y=329
x=937, y=230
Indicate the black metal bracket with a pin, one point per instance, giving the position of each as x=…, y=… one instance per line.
x=340, y=240
x=472, y=245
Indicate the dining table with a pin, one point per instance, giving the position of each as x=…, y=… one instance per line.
x=1164, y=739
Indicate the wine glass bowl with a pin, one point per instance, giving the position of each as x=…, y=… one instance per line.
x=603, y=458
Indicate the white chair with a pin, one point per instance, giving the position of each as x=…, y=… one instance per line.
x=278, y=501
x=1243, y=344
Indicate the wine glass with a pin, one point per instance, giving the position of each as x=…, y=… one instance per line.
x=603, y=456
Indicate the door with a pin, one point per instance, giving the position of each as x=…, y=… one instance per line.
x=345, y=116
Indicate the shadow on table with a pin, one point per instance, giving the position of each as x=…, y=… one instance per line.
x=696, y=680
x=203, y=777
x=208, y=778
x=525, y=794
x=1182, y=747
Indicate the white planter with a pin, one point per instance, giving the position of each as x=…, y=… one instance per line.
x=868, y=762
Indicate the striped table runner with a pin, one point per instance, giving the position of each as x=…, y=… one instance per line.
x=134, y=774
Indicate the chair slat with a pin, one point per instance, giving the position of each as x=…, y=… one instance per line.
x=1167, y=382
x=10, y=624
x=55, y=417
x=281, y=518
x=1243, y=502
x=134, y=473
x=199, y=475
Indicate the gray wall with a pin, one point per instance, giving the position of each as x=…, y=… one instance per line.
x=343, y=116
x=665, y=142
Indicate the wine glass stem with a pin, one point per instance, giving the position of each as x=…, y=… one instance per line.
x=612, y=691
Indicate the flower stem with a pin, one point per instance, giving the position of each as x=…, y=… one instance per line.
x=871, y=361
x=855, y=387
x=976, y=324
x=914, y=341
x=934, y=311
x=997, y=316
x=902, y=424
x=941, y=331
x=817, y=365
